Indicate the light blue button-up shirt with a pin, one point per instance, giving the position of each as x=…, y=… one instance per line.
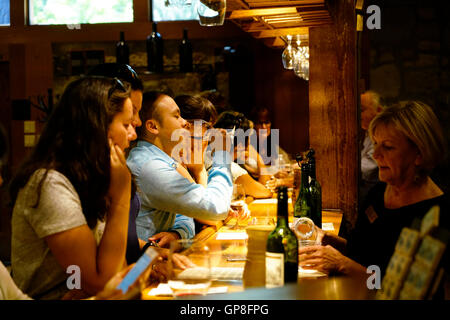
x=170, y=201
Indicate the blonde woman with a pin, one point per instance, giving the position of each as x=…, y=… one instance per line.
x=408, y=143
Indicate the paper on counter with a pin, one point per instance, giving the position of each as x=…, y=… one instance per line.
x=162, y=289
x=327, y=226
x=214, y=290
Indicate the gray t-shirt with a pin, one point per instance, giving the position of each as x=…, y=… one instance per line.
x=34, y=268
x=8, y=289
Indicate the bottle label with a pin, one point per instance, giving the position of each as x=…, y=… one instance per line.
x=274, y=269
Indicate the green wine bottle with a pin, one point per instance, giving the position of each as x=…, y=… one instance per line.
x=282, y=247
x=315, y=191
x=302, y=207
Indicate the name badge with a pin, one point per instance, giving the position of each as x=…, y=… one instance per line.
x=371, y=214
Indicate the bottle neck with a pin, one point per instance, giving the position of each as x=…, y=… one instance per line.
x=154, y=27
x=282, y=208
x=122, y=36
x=305, y=176
x=185, y=34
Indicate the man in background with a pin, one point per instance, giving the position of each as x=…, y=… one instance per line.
x=170, y=196
x=370, y=107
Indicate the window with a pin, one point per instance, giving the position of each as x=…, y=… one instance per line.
x=174, y=10
x=45, y=12
x=4, y=13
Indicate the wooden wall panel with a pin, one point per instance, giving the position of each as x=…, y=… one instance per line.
x=285, y=95
x=333, y=108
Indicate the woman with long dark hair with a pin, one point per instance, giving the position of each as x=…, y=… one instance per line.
x=72, y=195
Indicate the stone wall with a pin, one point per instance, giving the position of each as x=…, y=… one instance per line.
x=409, y=59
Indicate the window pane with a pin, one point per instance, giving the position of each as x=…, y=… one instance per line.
x=174, y=10
x=80, y=11
x=4, y=12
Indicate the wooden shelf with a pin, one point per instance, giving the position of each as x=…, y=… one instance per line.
x=273, y=20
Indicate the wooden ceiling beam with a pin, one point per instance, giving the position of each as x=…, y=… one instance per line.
x=275, y=43
x=245, y=14
x=281, y=32
x=277, y=3
x=271, y=21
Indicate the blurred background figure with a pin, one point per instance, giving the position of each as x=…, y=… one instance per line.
x=370, y=107
x=229, y=120
x=272, y=173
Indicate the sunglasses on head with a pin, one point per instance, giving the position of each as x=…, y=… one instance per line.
x=127, y=72
x=117, y=84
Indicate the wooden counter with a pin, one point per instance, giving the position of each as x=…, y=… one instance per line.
x=329, y=288
x=308, y=287
x=268, y=207
x=232, y=244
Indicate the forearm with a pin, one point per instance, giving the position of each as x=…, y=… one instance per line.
x=201, y=177
x=183, y=226
x=112, y=247
x=167, y=190
x=263, y=178
x=351, y=267
x=253, y=188
x=207, y=222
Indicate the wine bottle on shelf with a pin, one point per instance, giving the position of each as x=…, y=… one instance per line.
x=185, y=50
x=302, y=207
x=122, y=50
x=155, y=51
x=282, y=247
x=315, y=191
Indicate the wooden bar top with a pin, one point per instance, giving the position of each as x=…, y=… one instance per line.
x=309, y=287
x=329, y=288
x=268, y=207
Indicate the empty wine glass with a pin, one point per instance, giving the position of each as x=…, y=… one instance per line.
x=301, y=62
x=305, y=231
x=211, y=12
x=287, y=57
x=189, y=267
x=284, y=166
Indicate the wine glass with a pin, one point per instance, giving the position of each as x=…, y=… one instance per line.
x=189, y=267
x=301, y=62
x=211, y=12
x=238, y=202
x=287, y=57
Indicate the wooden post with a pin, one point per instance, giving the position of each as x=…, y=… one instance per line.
x=333, y=116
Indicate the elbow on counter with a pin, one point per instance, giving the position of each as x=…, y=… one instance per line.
x=214, y=211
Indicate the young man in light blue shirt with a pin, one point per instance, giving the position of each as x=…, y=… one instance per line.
x=170, y=197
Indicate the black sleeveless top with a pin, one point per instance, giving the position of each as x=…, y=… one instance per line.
x=373, y=240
